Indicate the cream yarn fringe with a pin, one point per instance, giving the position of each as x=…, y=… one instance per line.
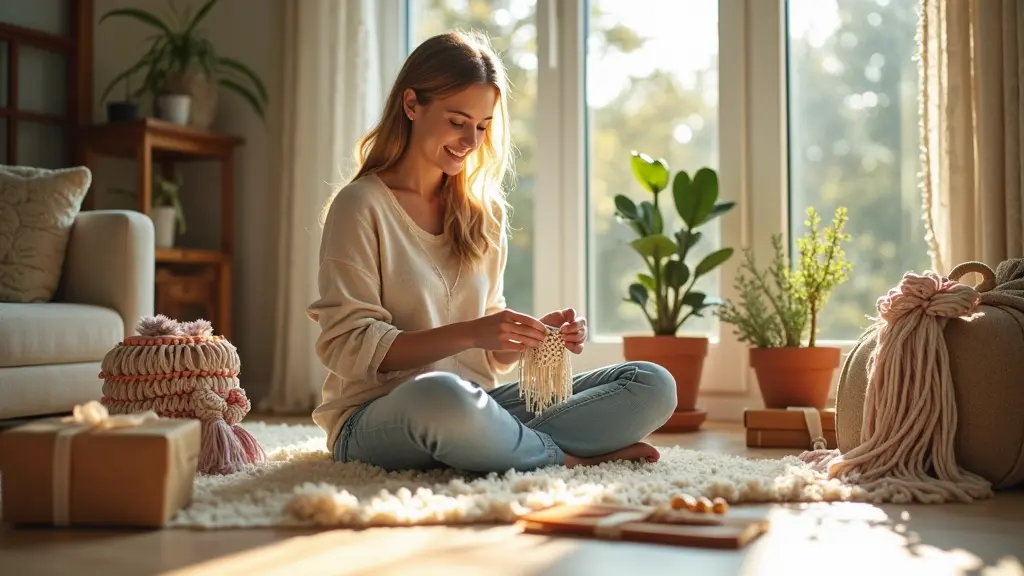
x=906, y=452
x=545, y=374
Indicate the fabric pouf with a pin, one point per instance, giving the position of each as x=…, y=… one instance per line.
x=986, y=365
x=182, y=370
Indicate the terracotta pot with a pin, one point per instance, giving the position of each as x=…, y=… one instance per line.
x=683, y=357
x=794, y=376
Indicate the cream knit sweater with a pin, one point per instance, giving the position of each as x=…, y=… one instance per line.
x=379, y=276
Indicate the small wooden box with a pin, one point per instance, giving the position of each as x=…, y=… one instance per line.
x=776, y=428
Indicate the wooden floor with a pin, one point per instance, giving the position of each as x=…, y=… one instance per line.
x=983, y=538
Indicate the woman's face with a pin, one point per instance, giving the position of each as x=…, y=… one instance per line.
x=448, y=130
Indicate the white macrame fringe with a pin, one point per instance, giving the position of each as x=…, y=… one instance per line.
x=545, y=374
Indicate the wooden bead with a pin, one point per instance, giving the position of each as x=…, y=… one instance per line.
x=719, y=506
x=684, y=502
x=703, y=505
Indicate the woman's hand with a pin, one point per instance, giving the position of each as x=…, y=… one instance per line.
x=506, y=331
x=572, y=327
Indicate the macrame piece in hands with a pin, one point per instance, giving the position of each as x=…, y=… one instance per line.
x=910, y=417
x=182, y=370
x=545, y=373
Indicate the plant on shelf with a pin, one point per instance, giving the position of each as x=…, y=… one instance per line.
x=182, y=60
x=779, y=306
x=167, y=194
x=666, y=290
x=166, y=211
x=125, y=110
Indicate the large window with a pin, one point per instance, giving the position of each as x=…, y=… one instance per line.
x=853, y=142
x=511, y=26
x=794, y=103
x=651, y=86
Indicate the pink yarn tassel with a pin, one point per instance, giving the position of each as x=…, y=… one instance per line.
x=226, y=449
x=220, y=452
x=253, y=452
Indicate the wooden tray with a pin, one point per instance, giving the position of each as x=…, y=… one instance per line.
x=635, y=524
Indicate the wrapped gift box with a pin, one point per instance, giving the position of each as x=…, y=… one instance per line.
x=130, y=473
x=777, y=428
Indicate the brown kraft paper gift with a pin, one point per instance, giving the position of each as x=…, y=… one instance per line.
x=777, y=428
x=135, y=470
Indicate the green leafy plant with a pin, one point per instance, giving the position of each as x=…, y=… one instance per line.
x=667, y=287
x=166, y=193
x=177, y=45
x=779, y=305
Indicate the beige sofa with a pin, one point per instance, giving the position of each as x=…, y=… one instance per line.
x=50, y=352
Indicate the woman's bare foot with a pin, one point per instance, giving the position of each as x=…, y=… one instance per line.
x=641, y=451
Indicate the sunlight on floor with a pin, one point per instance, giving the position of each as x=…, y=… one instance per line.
x=430, y=550
x=844, y=538
x=865, y=535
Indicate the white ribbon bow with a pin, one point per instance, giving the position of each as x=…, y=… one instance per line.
x=90, y=416
x=813, y=420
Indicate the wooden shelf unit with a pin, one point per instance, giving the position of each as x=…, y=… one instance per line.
x=152, y=142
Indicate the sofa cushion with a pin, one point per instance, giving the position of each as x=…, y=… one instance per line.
x=37, y=209
x=56, y=333
x=31, y=391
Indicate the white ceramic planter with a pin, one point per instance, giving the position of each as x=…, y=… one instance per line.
x=174, y=108
x=164, y=225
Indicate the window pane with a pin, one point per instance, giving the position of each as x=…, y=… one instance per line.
x=652, y=86
x=42, y=81
x=4, y=73
x=41, y=145
x=511, y=27
x=51, y=16
x=853, y=142
x=4, y=153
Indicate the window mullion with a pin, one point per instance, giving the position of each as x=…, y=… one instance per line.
x=768, y=126
x=549, y=258
x=573, y=154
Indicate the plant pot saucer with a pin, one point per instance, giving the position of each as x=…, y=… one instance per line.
x=686, y=421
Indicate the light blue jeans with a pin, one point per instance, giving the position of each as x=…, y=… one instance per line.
x=439, y=420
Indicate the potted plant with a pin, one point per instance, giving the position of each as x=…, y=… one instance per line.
x=181, y=60
x=166, y=211
x=126, y=110
x=779, y=306
x=174, y=107
x=664, y=291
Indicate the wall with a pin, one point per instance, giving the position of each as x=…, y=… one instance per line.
x=246, y=30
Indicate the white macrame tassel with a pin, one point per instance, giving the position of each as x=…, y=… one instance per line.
x=545, y=374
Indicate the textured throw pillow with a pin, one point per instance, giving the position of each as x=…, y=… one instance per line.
x=37, y=209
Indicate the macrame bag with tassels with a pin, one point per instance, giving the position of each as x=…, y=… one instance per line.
x=977, y=353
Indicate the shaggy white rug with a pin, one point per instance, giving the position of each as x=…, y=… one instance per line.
x=301, y=485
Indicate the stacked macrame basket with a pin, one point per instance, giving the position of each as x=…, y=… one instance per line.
x=182, y=370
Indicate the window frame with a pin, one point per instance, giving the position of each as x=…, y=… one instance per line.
x=753, y=147
x=76, y=48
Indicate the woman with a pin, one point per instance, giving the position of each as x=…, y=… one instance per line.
x=414, y=328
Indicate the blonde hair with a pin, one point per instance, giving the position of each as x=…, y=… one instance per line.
x=475, y=197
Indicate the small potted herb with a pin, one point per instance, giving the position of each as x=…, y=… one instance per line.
x=778, y=308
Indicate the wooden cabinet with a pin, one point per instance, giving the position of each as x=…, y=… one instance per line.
x=187, y=279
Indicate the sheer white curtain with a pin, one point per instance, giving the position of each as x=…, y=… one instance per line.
x=972, y=67
x=339, y=59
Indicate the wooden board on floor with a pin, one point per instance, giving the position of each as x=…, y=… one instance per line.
x=630, y=523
